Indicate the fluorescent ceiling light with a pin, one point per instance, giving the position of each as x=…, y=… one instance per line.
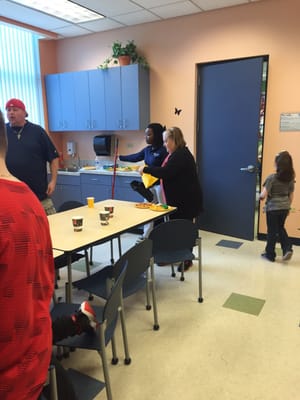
x=63, y=9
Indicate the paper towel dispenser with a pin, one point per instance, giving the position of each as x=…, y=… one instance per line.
x=102, y=145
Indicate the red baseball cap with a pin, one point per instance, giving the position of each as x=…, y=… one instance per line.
x=16, y=103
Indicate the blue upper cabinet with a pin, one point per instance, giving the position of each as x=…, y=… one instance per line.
x=60, y=101
x=89, y=100
x=135, y=95
x=113, y=99
x=127, y=97
x=113, y=103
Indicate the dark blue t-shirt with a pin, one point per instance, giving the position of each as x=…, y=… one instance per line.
x=28, y=154
x=152, y=156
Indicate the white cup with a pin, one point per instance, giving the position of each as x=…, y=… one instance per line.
x=109, y=208
x=104, y=217
x=77, y=222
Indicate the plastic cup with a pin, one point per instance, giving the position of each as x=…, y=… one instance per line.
x=109, y=208
x=77, y=222
x=104, y=217
x=90, y=202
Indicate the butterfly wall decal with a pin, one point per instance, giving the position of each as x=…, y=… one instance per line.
x=177, y=111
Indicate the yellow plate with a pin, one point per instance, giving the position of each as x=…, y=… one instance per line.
x=158, y=207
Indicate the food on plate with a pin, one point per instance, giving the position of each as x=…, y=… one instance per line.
x=143, y=205
x=159, y=207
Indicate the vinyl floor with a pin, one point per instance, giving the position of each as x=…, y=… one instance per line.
x=241, y=343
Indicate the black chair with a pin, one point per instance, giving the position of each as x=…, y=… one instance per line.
x=173, y=242
x=107, y=317
x=139, y=274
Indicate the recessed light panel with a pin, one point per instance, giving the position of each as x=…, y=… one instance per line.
x=63, y=9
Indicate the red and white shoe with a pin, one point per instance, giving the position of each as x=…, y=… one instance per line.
x=88, y=311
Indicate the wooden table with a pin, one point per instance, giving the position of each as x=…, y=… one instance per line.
x=125, y=217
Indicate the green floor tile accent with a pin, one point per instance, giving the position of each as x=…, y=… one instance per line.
x=232, y=244
x=246, y=304
x=80, y=265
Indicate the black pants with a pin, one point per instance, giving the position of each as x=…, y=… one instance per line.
x=64, y=385
x=276, y=231
x=61, y=328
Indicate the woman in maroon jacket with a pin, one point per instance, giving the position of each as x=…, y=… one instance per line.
x=179, y=178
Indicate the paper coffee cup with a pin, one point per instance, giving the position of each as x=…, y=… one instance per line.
x=109, y=208
x=104, y=217
x=77, y=222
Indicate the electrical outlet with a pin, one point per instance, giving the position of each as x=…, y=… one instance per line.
x=71, y=148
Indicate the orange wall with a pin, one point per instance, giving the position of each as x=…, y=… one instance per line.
x=174, y=47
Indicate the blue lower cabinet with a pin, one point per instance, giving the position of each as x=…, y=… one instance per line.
x=78, y=188
x=67, y=189
x=98, y=186
x=123, y=190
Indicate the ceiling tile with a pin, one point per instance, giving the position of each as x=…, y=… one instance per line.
x=176, y=10
x=101, y=25
x=156, y=3
x=109, y=8
x=214, y=4
x=72, y=31
x=138, y=17
x=118, y=13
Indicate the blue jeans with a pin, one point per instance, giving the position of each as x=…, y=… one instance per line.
x=277, y=232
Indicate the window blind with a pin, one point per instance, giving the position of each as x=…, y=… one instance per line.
x=20, y=70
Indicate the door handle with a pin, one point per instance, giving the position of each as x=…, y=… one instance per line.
x=250, y=168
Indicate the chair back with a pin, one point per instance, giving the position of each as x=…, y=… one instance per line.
x=69, y=205
x=174, y=235
x=113, y=303
x=138, y=260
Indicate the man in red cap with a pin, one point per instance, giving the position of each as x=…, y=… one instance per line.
x=29, y=150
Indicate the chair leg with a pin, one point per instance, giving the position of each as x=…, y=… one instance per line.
x=124, y=334
x=199, y=243
x=115, y=359
x=156, y=324
x=148, y=282
x=53, y=383
x=173, y=273
x=182, y=272
x=105, y=364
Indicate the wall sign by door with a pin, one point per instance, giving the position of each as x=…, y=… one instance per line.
x=289, y=122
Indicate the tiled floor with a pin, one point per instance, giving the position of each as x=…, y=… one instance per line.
x=208, y=351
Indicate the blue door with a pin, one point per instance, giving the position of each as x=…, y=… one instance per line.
x=229, y=95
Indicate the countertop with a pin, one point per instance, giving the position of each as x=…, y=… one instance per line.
x=99, y=172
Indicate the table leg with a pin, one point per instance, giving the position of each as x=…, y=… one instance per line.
x=69, y=285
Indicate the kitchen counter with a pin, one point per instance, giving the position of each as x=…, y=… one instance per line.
x=100, y=172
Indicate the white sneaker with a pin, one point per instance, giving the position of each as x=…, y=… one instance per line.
x=287, y=256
